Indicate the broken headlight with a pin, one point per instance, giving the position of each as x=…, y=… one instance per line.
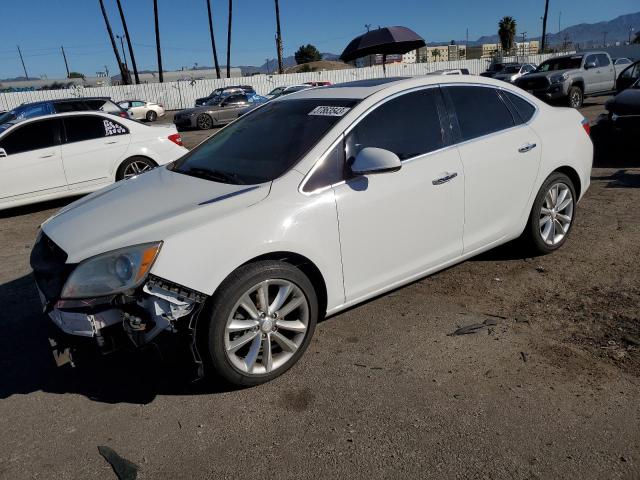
x=112, y=272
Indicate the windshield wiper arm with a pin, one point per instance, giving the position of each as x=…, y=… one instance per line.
x=215, y=175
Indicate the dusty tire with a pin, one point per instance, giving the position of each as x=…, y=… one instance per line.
x=550, y=221
x=575, y=97
x=134, y=166
x=264, y=355
x=151, y=116
x=204, y=121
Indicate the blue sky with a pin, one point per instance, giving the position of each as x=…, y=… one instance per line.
x=41, y=26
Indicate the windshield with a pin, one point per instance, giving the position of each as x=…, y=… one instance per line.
x=562, y=63
x=265, y=143
x=495, y=67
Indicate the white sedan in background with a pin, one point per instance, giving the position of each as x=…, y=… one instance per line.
x=78, y=152
x=241, y=246
x=141, y=110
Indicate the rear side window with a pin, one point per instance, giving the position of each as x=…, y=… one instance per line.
x=408, y=126
x=480, y=111
x=523, y=108
x=62, y=107
x=106, y=106
x=603, y=60
x=86, y=127
x=32, y=136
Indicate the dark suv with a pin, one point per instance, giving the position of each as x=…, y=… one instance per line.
x=248, y=89
x=48, y=107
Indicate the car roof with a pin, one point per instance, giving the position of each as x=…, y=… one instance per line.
x=360, y=89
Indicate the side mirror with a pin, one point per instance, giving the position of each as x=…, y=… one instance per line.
x=589, y=65
x=3, y=152
x=372, y=160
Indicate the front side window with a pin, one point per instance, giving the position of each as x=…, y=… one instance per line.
x=32, y=136
x=408, y=126
x=263, y=144
x=603, y=60
x=236, y=99
x=329, y=171
x=562, y=63
x=480, y=111
x=86, y=127
x=591, y=60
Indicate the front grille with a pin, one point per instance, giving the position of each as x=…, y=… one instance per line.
x=50, y=269
x=538, y=83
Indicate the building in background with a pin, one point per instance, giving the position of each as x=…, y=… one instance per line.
x=410, y=57
x=179, y=75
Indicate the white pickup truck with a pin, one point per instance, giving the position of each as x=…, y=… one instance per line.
x=571, y=78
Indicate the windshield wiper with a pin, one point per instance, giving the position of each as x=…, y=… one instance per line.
x=215, y=175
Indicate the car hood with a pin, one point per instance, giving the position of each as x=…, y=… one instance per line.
x=547, y=74
x=147, y=208
x=626, y=102
x=502, y=76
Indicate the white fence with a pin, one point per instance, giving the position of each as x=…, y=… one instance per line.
x=182, y=94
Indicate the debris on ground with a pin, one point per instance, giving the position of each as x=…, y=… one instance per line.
x=123, y=468
x=474, y=327
x=540, y=269
x=524, y=356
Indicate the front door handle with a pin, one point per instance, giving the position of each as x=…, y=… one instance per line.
x=48, y=155
x=527, y=147
x=444, y=179
x=111, y=143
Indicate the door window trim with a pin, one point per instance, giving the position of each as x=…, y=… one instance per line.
x=448, y=139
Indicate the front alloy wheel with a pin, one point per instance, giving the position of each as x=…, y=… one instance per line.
x=259, y=322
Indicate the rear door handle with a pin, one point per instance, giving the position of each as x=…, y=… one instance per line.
x=527, y=147
x=445, y=178
x=111, y=143
x=47, y=155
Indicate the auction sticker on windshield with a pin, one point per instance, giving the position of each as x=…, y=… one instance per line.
x=327, y=111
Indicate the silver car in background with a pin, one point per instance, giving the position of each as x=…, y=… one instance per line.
x=511, y=73
x=217, y=111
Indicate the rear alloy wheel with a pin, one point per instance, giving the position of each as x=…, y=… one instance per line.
x=553, y=214
x=152, y=116
x=260, y=323
x=204, y=122
x=575, y=97
x=134, y=166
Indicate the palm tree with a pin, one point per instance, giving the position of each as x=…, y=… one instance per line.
x=213, y=40
x=507, y=33
x=435, y=54
x=544, y=26
x=123, y=74
x=229, y=39
x=155, y=16
x=279, y=38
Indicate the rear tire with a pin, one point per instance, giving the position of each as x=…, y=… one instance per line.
x=273, y=334
x=134, y=166
x=576, y=97
x=151, y=116
x=552, y=215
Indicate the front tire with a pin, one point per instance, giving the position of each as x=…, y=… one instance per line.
x=151, y=116
x=575, y=97
x=204, y=121
x=552, y=214
x=259, y=323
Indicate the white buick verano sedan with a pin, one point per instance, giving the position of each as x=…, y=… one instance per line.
x=308, y=205
x=73, y=153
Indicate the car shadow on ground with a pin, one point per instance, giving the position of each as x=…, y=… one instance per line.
x=38, y=207
x=27, y=365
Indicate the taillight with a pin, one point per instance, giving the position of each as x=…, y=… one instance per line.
x=586, y=126
x=176, y=138
x=124, y=114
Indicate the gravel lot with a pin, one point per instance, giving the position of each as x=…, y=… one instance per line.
x=549, y=391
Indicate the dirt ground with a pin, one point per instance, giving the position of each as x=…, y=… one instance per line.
x=549, y=387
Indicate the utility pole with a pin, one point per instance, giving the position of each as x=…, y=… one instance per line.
x=368, y=27
x=124, y=54
x=155, y=16
x=229, y=39
x=126, y=33
x=524, y=36
x=66, y=65
x=213, y=40
x=268, y=66
x=22, y=60
x=544, y=26
x=630, y=32
x=559, y=17
x=279, y=38
x=113, y=43
x=604, y=39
